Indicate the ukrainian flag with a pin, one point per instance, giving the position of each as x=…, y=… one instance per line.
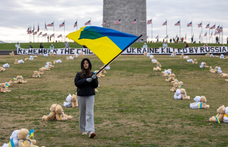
x=11, y=143
x=105, y=43
x=31, y=133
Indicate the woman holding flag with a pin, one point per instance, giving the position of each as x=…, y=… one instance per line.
x=86, y=82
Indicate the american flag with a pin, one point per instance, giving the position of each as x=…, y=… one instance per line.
x=44, y=34
x=216, y=32
x=87, y=23
x=157, y=37
x=38, y=28
x=165, y=23
x=208, y=26
x=62, y=24
x=213, y=27
x=28, y=30
x=59, y=36
x=149, y=21
x=166, y=37
x=117, y=22
x=40, y=33
x=177, y=24
x=52, y=35
x=51, y=24
x=45, y=26
x=205, y=34
x=200, y=25
x=218, y=28
x=34, y=33
x=104, y=23
x=134, y=21
x=189, y=24
x=75, y=24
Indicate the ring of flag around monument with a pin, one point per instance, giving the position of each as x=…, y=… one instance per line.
x=103, y=42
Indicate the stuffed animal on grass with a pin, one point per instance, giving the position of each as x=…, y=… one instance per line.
x=24, y=141
x=226, y=80
x=12, y=53
x=20, y=61
x=69, y=58
x=57, y=61
x=6, y=65
x=2, y=69
x=171, y=78
x=60, y=115
x=151, y=56
x=200, y=103
x=216, y=70
x=176, y=85
x=49, y=64
x=194, y=61
x=36, y=74
x=100, y=74
x=186, y=57
x=211, y=55
x=221, y=56
x=41, y=71
x=219, y=117
x=71, y=101
x=19, y=80
x=224, y=75
x=203, y=65
x=26, y=59
x=182, y=56
x=14, y=137
x=31, y=58
x=51, y=115
x=208, y=54
x=16, y=61
x=46, y=68
x=158, y=64
x=157, y=68
x=75, y=55
x=45, y=55
x=35, y=56
x=225, y=117
x=167, y=72
x=181, y=94
x=145, y=53
x=107, y=67
x=52, y=54
x=172, y=55
x=9, y=83
x=103, y=70
x=190, y=60
x=153, y=60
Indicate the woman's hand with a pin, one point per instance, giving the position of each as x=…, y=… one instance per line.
x=94, y=76
x=89, y=80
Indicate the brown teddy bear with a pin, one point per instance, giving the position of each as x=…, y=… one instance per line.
x=219, y=117
x=16, y=61
x=24, y=141
x=51, y=115
x=2, y=90
x=41, y=71
x=26, y=59
x=182, y=56
x=157, y=68
x=194, y=61
x=145, y=53
x=6, y=87
x=2, y=69
x=103, y=71
x=208, y=54
x=19, y=80
x=171, y=78
x=12, y=53
x=213, y=70
x=226, y=80
x=36, y=74
x=52, y=54
x=200, y=103
x=158, y=64
x=50, y=64
x=175, y=87
x=184, y=94
x=46, y=68
x=224, y=75
x=9, y=83
x=60, y=114
x=205, y=65
x=71, y=101
x=100, y=74
x=35, y=56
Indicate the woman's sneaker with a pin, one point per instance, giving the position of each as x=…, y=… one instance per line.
x=92, y=134
x=84, y=133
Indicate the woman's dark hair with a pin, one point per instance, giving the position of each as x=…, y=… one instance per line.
x=86, y=72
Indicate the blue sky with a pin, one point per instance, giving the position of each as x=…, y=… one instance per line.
x=17, y=16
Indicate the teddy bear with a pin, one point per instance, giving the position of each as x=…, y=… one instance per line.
x=69, y=58
x=107, y=67
x=60, y=114
x=151, y=56
x=172, y=55
x=200, y=103
x=186, y=57
x=153, y=60
x=35, y=56
x=176, y=85
x=45, y=55
x=208, y=54
x=219, y=117
x=158, y=64
x=52, y=54
x=221, y=56
x=19, y=80
x=71, y=101
x=14, y=137
x=157, y=68
x=225, y=117
x=224, y=75
x=219, y=71
x=194, y=61
x=24, y=141
x=166, y=73
x=2, y=69
x=171, y=78
x=226, y=80
x=31, y=58
x=49, y=64
x=176, y=81
x=5, y=65
x=41, y=70
x=51, y=115
x=184, y=94
x=182, y=56
x=190, y=60
x=9, y=83
x=16, y=61
x=26, y=59
x=12, y=53
x=57, y=61
x=211, y=55
x=5, y=87
x=36, y=74
x=75, y=55
x=145, y=53
x=100, y=74
x=203, y=65
x=46, y=68
x=20, y=61
x=213, y=70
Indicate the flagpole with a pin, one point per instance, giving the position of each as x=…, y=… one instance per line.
x=64, y=30
x=166, y=26
x=151, y=30
x=53, y=31
x=180, y=29
x=192, y=30
x=118, y=55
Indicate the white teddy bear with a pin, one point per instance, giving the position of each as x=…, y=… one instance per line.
x=185, y=57
x=45, y=55
x=21, y=61
x=31, y=58
x=202, y=65
x=219, y=70
x=189, y=60
x=58, y=61
x=177, y=94
x=221, y=56
x=71, y=58
x=68, y=103
x=172, y=55
x=107, y=67
x=211, y=55
x=148, y=54
x=196, y=104
x=6, y=65
x=225, y=117
x=15, y=139
x=153, y=60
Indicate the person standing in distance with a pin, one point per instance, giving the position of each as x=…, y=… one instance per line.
x=86, y=82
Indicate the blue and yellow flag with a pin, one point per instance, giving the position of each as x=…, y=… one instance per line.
x=31, y=133
x=103, y=42
x=11, y=143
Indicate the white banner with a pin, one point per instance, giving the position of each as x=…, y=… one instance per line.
x=129, y=51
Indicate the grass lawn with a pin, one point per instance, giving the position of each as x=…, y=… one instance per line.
x=11, y=46
x=134, y=105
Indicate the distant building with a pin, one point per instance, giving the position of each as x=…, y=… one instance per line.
x=126, y=11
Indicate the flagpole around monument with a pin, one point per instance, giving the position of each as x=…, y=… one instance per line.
x=180, y=29
x=151, y=31
x=64, y=31
x=166, y=26
x=53, y=31
x=209, y=35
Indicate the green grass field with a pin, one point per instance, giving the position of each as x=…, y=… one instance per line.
x=134, y=105
x=11, y=46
